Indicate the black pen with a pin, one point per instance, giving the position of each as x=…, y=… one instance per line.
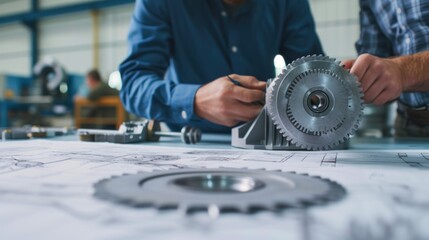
x=237, y=83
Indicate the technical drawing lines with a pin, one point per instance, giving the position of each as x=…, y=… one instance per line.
x=415, y=160
x=330, y=159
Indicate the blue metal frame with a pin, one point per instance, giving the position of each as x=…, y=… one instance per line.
x=3, y=114
x=16, y=84
x=34, y=35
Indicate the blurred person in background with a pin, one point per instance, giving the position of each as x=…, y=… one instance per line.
x=97, y=87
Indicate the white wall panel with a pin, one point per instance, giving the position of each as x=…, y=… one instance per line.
x=76, y=60
x=114, y=25
x=337, y=23
x=69, y=40
x=8, y=7
x=339, y=41
x=14, y=49
x=334, y=10
x=66, y=31
x=17, y=65
x=13, y=38
x=111, y=57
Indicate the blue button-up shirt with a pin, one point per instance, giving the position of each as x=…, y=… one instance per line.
x=176, y=46
x=395, y=28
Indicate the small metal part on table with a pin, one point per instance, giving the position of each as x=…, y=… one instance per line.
x=48, y=132
x=223, y=189
x=34, y=132
x=10, y=134
x=134, y=132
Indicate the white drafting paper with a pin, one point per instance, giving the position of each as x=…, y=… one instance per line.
x=46, y=193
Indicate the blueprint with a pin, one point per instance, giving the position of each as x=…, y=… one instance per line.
x=46, y=192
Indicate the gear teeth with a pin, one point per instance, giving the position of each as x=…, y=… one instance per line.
x=106, y=191
x=281, y=81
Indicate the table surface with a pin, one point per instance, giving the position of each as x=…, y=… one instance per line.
x=46, y=190
x=224, y=141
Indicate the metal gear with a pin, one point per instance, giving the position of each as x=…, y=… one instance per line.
x=315, y=103
x=224, y=189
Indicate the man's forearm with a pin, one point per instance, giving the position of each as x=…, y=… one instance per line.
x=149, y=96
x=415, y=71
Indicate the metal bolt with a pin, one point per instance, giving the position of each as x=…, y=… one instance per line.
x=189, y=135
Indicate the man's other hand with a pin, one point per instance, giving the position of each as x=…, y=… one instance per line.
x=381, y=78
x=225, y=103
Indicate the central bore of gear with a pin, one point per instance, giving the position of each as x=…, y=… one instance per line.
x=318, y=101
x=220, y=183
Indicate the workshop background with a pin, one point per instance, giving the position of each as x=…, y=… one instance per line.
x=81, y=35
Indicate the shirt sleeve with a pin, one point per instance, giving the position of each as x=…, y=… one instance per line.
x=144, y=91
x=300, y=37
x=372, y=39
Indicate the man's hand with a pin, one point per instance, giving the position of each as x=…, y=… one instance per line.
x=382, y=79
x=225, y=103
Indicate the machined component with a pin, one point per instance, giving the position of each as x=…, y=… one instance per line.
x=188, y=135
x=28, y=132
x=133, y=132
x=10, y=134
x=313, y=104
x=51, y=75
x=224, y=189
x=49, y=132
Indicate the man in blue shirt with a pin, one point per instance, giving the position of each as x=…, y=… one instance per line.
x=182, y=52
x=394, y=44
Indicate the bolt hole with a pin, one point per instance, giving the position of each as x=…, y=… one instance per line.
x=318, y=101
x=219, y=183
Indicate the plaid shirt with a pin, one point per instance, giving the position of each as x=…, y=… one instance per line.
x=395, y=28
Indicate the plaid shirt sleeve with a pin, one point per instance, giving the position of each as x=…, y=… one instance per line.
x=372, y=39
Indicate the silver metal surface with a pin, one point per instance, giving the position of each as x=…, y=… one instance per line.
x=52, y=74
x=228, y=190
x=315, y=103
x=187, y=134
x=135, y=132
x=33, y=132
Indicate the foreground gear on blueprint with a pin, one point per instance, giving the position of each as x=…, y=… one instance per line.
x=224, y=189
